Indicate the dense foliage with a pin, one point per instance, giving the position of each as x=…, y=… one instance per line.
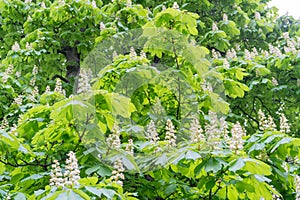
x=148, y=100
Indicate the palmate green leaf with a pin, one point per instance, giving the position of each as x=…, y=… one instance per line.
x=70, y=109
x=237, y=165
x=109, y=193
x=9, y=140
x=282, y=141
x=256, y=167
x=116, y=103
x=89, y=181
x=213, y=165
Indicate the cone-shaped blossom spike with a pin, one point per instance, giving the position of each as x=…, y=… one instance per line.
x=170, y=134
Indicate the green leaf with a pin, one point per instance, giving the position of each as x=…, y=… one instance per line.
x=238, y=164
x=213, y=165
x=101, y=191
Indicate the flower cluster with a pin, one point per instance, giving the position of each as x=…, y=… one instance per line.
x=284, y=125
x=226, y=64
x=274, y=51
x=15, y=47
x=257, y=16
x=225, y=17
x=129, y=3
x=214, y=26
x=196, y=132
x=58, y=87
x=4, y=125
x=56, y=176
x=132, y=53
x=7, y=72
x=130, y=147
x=215, y=54
x=175, y=6
x=94, y=4
x=266, y=123
x=102, y=26
x=70, y=176
x=117, y=173
x=297, y=187
x=231, y=54
x=213, y=130
x=18, y=100
x=113, y=140
x=170, y=134
x=151, y=133
x=236, y=143
x=84, y=81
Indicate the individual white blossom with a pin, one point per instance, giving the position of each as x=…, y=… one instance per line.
x=175, y=6
x=129, y=3
x=15, y=47
x=130, y=147
x=271, y=124
x=94, y=4
x=224, y=129
x=117, y=173
x=29, y=18
x=284, y=125
x=151, y=133
x=132, y=53
x=56, y=175
x=215, y=26
x=163, y=8
x=196, y=131
x=226, y=64
x=170, y=137
x=225, y=17
x=43, y=5
x=71, y=174
x=237, y=133
x=27, y=1
x=84, y=81
x=102, y=26
x=113, y=140
x=257, y=16
x=274, y=81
